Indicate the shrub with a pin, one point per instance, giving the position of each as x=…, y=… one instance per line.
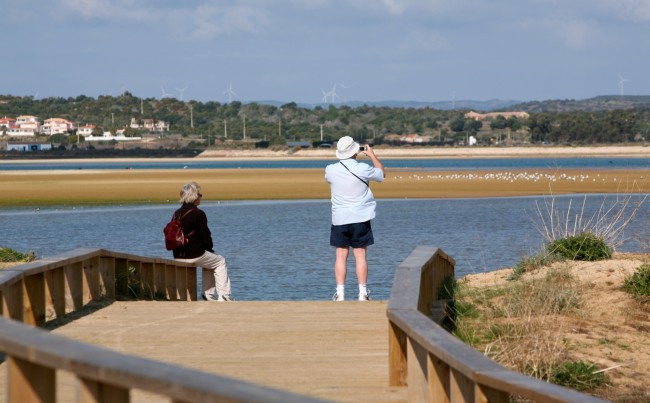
x=585, y=246
x=533, y=263
x=638, y=284
x=10, y=255
x=578, y=375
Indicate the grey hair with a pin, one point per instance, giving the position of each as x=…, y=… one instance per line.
x=190, y=192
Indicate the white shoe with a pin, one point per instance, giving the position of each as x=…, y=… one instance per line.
x=209, y=296
x=225, y=297
x=364, y=297
x=338, y=298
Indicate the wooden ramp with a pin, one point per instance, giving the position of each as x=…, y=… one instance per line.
x=327, y=350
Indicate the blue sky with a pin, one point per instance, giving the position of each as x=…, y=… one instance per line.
x=372, y=50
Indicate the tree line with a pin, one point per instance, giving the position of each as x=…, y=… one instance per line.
x=289, y=122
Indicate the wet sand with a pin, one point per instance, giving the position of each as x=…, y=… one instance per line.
x=85, y=187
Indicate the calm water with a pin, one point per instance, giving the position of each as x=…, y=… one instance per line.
x=279, y=250
x=426, y=164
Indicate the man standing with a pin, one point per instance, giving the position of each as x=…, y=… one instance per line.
x=353, y=206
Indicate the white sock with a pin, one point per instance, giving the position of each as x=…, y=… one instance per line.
x=363, y=290
x=340, y=289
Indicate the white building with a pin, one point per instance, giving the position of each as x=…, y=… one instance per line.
x=56, y=126
x=21, y=132
x=28, y=122
x=108, y=136
x=28, y=146
x=151, y=125
x=86, y=130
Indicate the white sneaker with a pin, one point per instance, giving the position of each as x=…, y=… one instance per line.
x=209, y=296
x=364, y=297
x=338, y=298
x=225, y=297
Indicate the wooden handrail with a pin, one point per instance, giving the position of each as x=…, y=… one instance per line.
x=38, y=292
x=435, y=365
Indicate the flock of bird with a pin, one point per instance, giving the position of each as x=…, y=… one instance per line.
x=507, y=176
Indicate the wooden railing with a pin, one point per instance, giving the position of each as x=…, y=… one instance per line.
x=435, y=365
x=46, y=290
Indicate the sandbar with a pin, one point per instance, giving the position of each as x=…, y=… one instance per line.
x=88, y=187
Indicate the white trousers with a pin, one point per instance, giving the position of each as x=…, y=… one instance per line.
x=218, y=280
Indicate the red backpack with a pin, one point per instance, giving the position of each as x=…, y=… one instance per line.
x=174, y=235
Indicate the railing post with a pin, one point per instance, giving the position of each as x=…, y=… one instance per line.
x=484, y=394
x=396, y=356
x=418, y=386
x=55, y=292
x=74, y=294
x=107, y=273
x=34, y=302
x=461, y=389
x=95, y=392
x=438, y=372
x=30, y=382
x=12, y=301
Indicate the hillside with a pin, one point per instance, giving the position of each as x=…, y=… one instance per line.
x=600, y=103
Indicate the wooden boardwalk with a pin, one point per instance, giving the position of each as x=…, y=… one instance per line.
x=331, y=351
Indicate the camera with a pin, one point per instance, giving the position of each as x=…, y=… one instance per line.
x=362, y=148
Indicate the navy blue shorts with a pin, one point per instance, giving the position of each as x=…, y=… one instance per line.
x=357, y=235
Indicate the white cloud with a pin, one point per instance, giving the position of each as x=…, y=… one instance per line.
x=630, y=10
x=211, y=21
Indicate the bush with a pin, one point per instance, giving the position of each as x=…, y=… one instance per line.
x=585, y=246
x=10, y=255
x=533, y=263
x=578, y=375
x=638, y=284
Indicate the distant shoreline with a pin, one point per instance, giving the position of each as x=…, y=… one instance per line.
x=636, y=151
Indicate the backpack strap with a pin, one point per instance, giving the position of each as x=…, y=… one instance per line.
x=174, y=216
x=364, y=182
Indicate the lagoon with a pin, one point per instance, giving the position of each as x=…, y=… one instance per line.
x=279, y=250
x=433, y=164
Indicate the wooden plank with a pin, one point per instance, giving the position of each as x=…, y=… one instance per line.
x=92, y=288
x=96, y=392
x=107, y=274
x=484, y=394
x=29, y=382
x=461, y=388
x=323, y=350
x=439, y=376
x=192, y=283
x=55, y=293
x=396, y=356
x=181, y=284
x=170, y=283
x=418, y=384
x=148, y=283
x=34, y=303
x=12, y=301
x=74, y=288
x=160, y=272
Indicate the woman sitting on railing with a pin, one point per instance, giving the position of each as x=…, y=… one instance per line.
x=199, y=248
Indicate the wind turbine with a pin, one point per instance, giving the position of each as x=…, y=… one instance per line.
x=230, y=93
x=181, y=90
x=621, y=80
x=333, y=94
x=165, y=94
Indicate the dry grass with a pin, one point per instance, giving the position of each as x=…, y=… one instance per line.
x=158, y=186
x=571, y=311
